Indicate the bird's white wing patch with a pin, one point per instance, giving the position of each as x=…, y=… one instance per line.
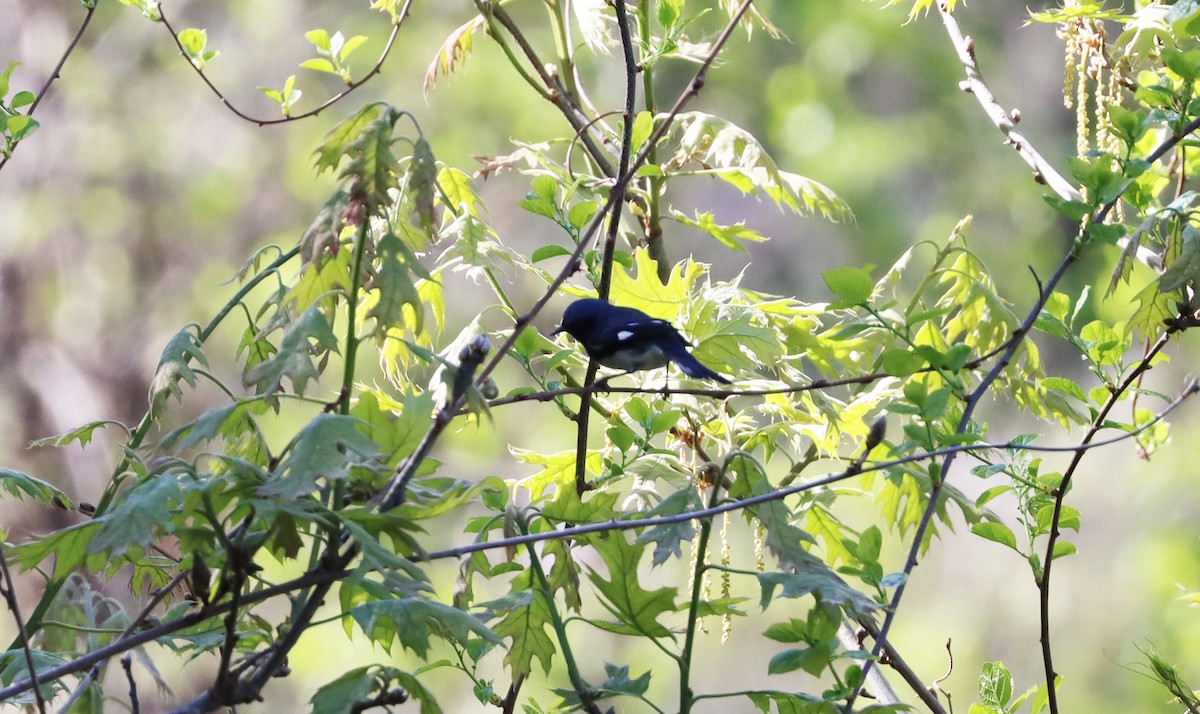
x=624, y=335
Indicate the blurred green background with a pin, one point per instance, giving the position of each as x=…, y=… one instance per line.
x=123, y=216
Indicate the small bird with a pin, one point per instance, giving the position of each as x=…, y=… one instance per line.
x=628, y=339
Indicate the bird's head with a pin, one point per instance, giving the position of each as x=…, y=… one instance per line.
x=581, y=317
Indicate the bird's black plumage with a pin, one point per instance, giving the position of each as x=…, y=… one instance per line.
x=629, y=339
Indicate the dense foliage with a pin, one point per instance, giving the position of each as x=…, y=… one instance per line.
x=315, y=493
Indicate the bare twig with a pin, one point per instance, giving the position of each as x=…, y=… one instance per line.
x=94, y=673
x=400, y=17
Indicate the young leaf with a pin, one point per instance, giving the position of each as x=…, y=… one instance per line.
x=174, y=367
x=309, y=333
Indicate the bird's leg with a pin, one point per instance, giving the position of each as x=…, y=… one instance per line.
x=602, y=383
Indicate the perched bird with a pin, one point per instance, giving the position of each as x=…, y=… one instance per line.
x=629, y=340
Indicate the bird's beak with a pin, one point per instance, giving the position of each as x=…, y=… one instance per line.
x=559, y=330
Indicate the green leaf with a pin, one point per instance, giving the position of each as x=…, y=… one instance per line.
x=350, y=45
x=731, y=237
x=995, y=685
x=735, y=340
x=342, y=694
x=337, y=141
x=395, y=438
x=229, y=421
x=668, y=538
x=325, y=448
x=812, y=659
x=637, y=610
x=1065, y=386
x=1063, y=548
x=21, y=484
x=174, y=367
x=817, y=579
x=414, y=620
x=394, y=289
x=548, y=251
x=997, y=532
x=82, y=434
x=4, y=77
x=734, y=155
x=525, y=622
x=142, y=516
x=193, y=41
x=901, y=362
x=619, y=683
x=319, y=39
x=643, y=126
x=294, y=360
x=853, y=286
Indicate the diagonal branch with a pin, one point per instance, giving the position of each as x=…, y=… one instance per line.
x=1005, y=121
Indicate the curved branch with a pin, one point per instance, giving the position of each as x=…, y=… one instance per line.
x=400, y=17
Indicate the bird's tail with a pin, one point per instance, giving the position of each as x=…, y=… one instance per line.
x=691, y=366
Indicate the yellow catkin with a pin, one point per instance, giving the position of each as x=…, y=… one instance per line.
x=760, y=539
x=1067, y=31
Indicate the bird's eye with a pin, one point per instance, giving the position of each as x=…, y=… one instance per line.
x=624, y=335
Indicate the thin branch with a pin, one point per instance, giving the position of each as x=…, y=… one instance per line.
x=10, y=596
x=127, y=665
x=907, y=673
x=94, y=673
x=400, y=17
x=553, y=90
x=829, y=479
x=616, y=202
x=1043, y=582
x=62, y=61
